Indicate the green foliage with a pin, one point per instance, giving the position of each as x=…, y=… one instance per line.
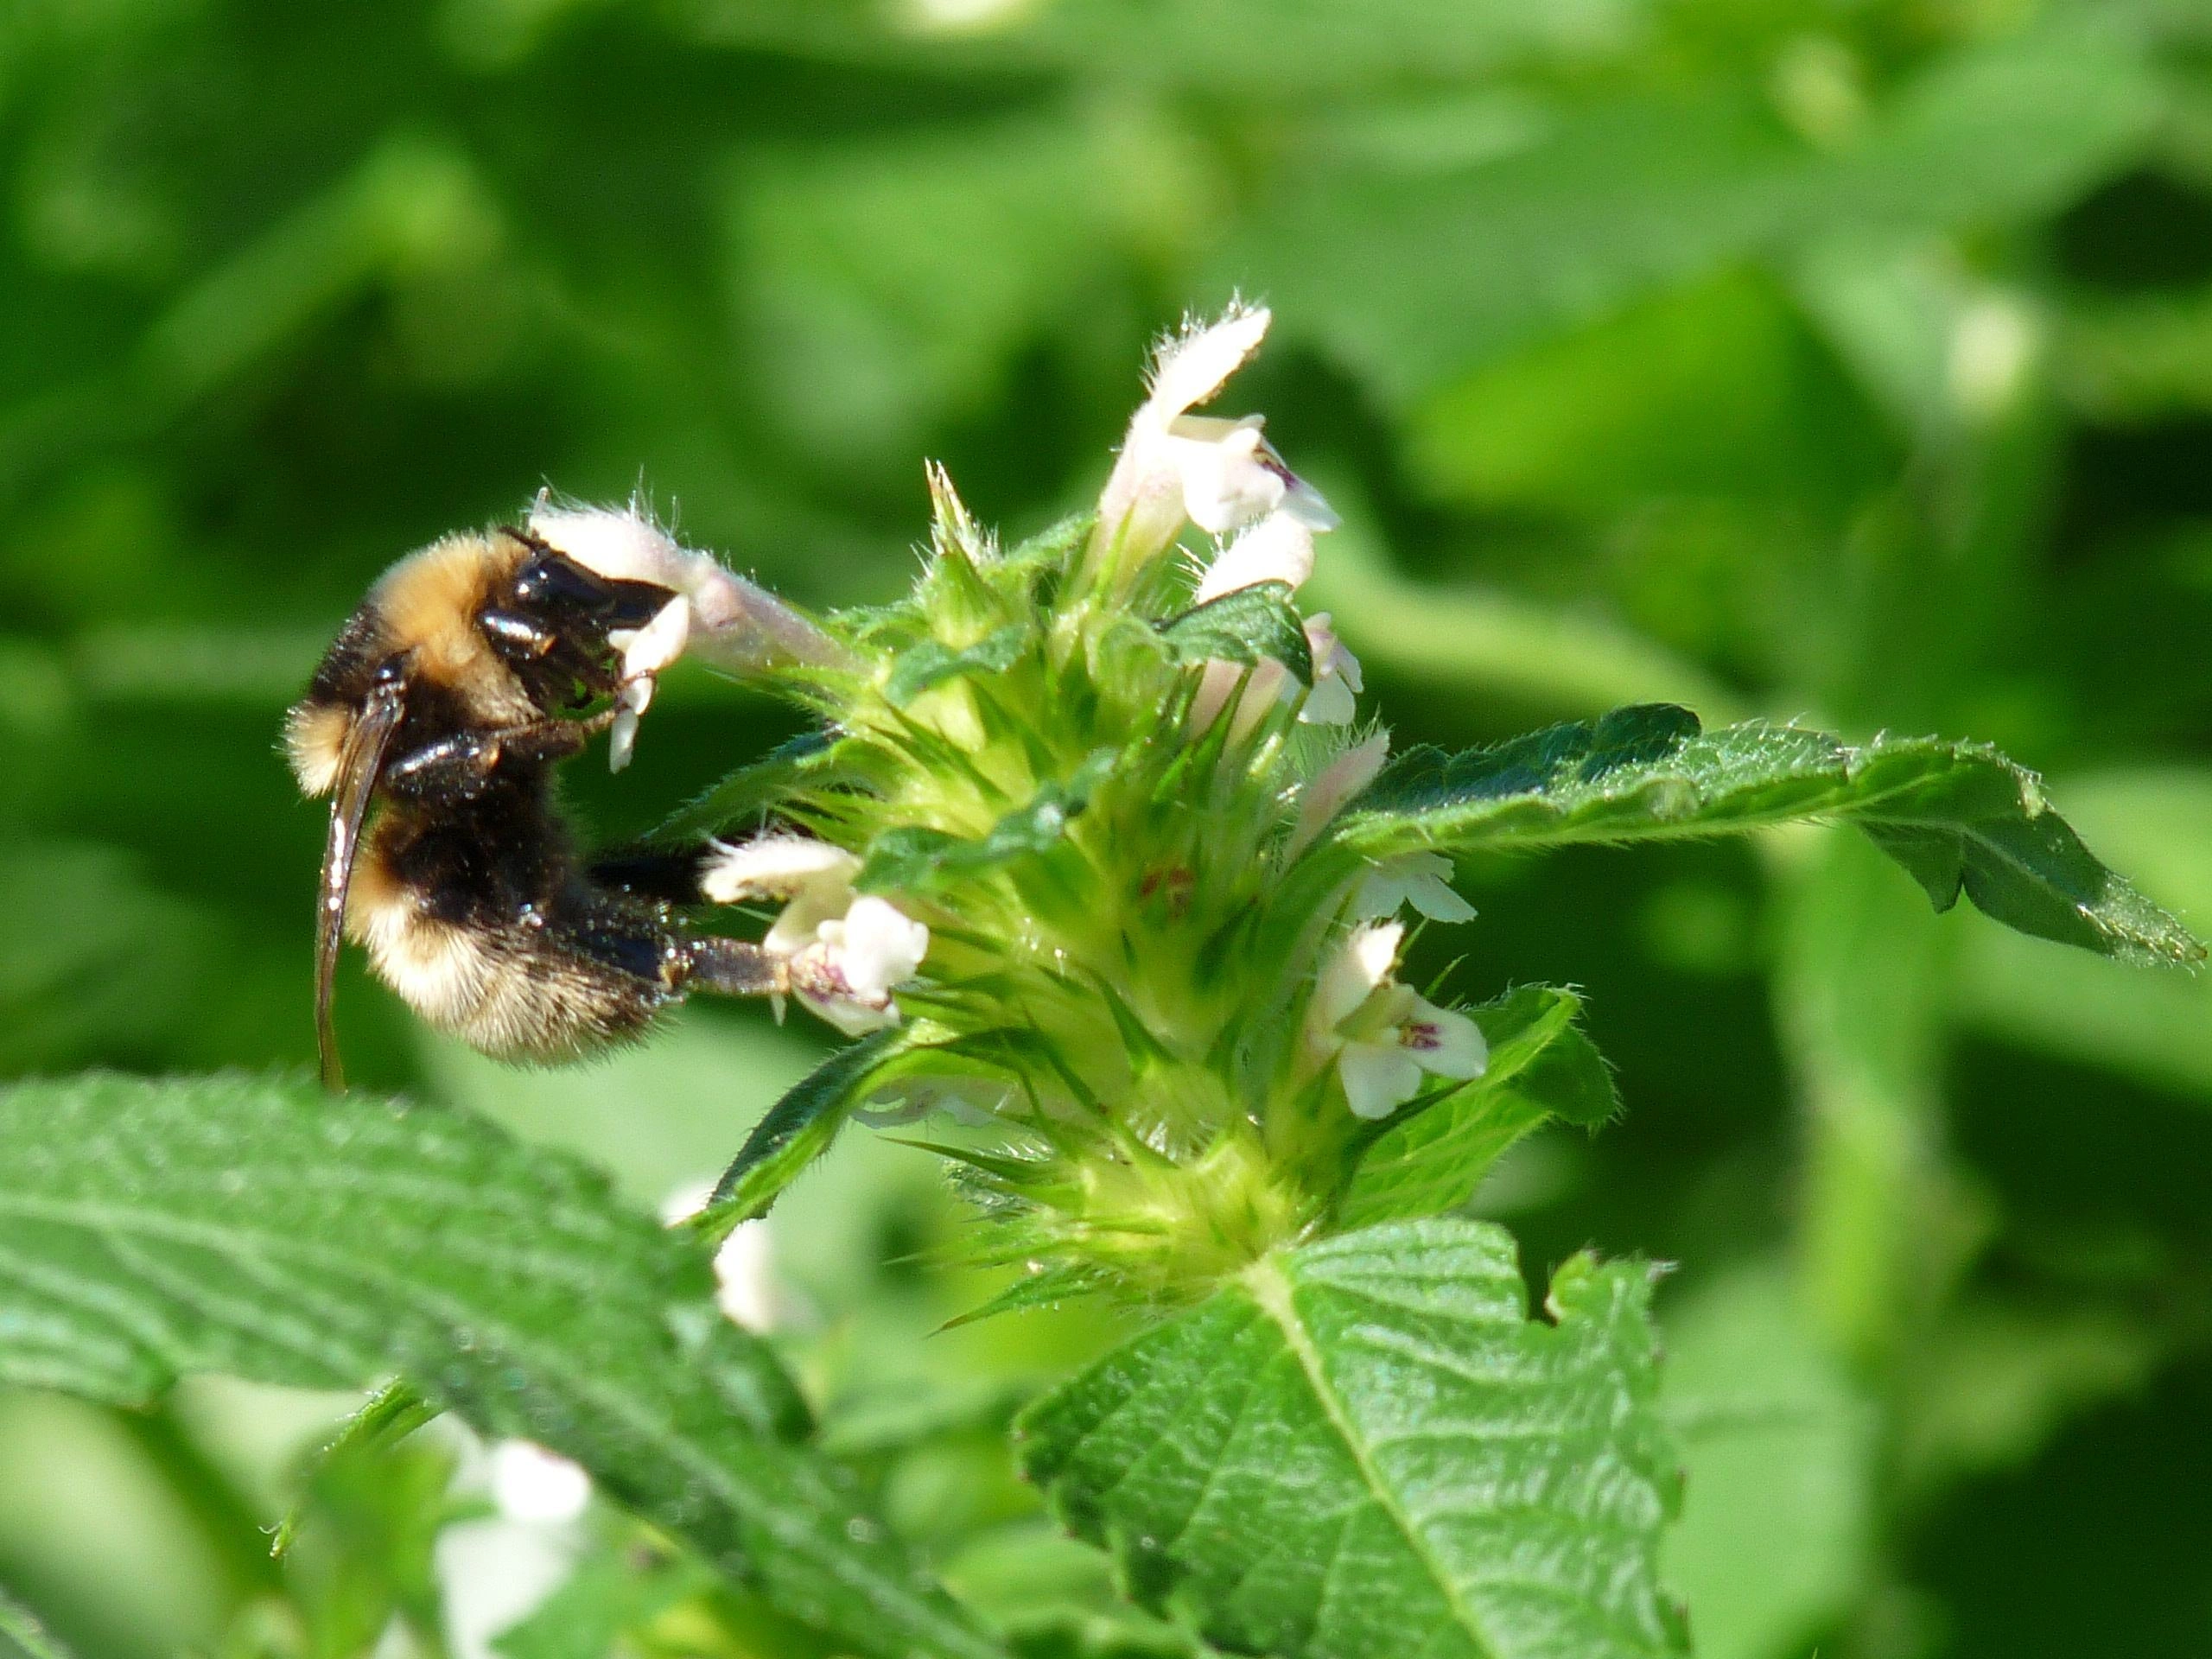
x=156, y=1229
x=799, y=1127
x=21, y=1627
x=1845, y=366
x=1252, y=625
x=1366, y=1445
x=917, y=858
x=1958, y=816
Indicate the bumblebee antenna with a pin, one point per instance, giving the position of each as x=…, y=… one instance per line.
x=360, y=764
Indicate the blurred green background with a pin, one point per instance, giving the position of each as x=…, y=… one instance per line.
x=1849, y=359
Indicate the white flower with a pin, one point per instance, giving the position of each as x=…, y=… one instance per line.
x=843, y=954
x=1327, y=702
x=1231, y=475
x=1175, y=466
x=745, y=1286
x=646, y=652
x=1278, y=557
x=1279, y=548
x=530, y=1484
x=776, y=866
x=733, y=624
x=847, y=974
x=1336, y=678
x=1383, y=1035
x=1421, y=879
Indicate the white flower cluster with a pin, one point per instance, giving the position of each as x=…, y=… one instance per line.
x=1225, y=477
x=840, y=953
x=1221, y=475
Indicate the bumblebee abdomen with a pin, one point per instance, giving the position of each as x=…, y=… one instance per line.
x=494, y=940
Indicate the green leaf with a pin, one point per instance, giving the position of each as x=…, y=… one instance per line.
x=1365, y=1448
x=1430, y=1158
x=912, y=859
x=1251, y=624
x=797, y=1130
x=1959, y=817
x=931, y=662
x=2156, y=1029
x=393, y=1412
x=805, y=759
x=261, y=1228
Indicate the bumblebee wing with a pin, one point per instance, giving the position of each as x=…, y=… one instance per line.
x=359, y=763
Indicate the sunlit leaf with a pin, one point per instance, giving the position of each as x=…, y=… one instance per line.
x=246, y=1226
x=1958, y=816
x=932, y=663
x=1364, y=1447
x=913, y=859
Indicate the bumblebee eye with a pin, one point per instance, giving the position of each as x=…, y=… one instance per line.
x=550, y=582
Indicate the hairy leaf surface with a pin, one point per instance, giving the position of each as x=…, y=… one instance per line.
x=1247, y=625
x=260, y=1228
x=931, y=662
x=914, y=859
x=1959, y=817
x=1363, y=1449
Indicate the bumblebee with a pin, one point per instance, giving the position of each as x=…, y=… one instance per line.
x=445, y=704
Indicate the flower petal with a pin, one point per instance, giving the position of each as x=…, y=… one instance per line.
x=1336, y=784
x=878, y=946
x=1421, y=879
x=1377, y=1080
x=1276, y=548
x=775, y=867
x=1353, y=971
x=1329, y=704
x=533, y=1484
x=1197, y=361
x=734, y=624
x=1444, y=1042
x=855, y=1019
x=622, y=546
x=649, y=650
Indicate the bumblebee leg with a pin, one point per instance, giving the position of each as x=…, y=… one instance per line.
x=668, y=875
x=729, y=967
x=451, y=768
x=549, y=740
x=457, y=768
